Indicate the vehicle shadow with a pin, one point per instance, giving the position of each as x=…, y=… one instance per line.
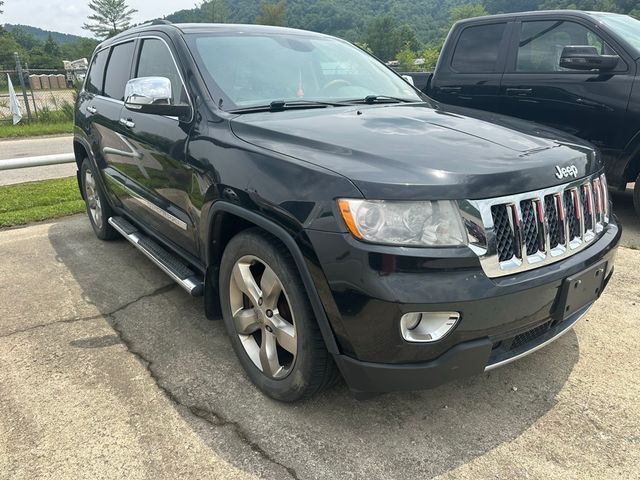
x=630, y=220
x=399, y=435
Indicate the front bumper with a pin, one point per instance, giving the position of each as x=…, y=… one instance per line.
x=465, y=359
x=368, y=289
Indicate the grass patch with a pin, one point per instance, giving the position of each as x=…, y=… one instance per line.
x=35, y=129
x=32, y=202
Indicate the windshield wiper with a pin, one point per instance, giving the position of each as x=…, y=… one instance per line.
x=371, y=99
x=281, y=105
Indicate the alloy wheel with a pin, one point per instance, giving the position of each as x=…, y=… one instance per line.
x=262, y=317
x=93, y=198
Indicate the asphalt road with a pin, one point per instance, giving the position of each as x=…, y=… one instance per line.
x=29, y=147
x=108, y=370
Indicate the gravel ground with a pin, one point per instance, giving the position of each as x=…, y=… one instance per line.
x=108, y=370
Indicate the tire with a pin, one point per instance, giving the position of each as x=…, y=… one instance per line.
x=98, y=209
x=636, y=196
x=259, y=282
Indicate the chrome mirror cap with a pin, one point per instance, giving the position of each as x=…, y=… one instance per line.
x=147, y=91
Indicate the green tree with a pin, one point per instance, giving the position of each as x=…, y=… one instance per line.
x=51, y=47
x=364, y=46
x=7, y=46
x=110, y=17
x=468, y=10
x=25, y=39
x=377, y=36
x=1, y=3
x=406, y=58
x=213, y=11
x=273, y=14
x=430, y=56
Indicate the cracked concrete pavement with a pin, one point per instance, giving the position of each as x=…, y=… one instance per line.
x=108, y=370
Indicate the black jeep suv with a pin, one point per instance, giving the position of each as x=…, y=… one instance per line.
x=336, y=218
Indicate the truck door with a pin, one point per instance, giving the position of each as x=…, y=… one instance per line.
x=588, y=104
x=471, y=66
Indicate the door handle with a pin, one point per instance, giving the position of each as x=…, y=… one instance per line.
x=452, y=90
x=127, y=123
x=92, y=110
x=519, y=92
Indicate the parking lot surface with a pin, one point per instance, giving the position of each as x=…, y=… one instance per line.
x=109, y=370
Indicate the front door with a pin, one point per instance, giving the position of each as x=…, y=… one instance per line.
x=158, y=177
x=590, y=105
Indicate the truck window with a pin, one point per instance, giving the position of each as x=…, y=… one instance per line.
x=96, y=72
x=156, y=61
x=542, y=42
x=477, y=48
x=118, y=70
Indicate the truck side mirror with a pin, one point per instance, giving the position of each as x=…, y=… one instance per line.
x=153, y=95
x=587, y=58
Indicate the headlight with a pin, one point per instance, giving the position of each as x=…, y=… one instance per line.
x=415, y=224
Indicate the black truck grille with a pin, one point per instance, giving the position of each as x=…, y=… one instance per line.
x=558, y=219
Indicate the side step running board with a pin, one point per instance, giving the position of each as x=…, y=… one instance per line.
x=167, y=262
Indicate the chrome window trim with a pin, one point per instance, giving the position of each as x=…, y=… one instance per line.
x=133, y=39
x=477, y=217
x=175, y=64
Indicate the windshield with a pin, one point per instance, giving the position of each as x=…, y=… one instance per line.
x=256, y=69
x=624, y=26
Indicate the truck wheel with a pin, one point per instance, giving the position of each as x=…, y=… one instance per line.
x=98, y=209
x=270, y=321
x=636, y=195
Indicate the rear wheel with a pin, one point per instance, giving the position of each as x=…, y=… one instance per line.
x=270, y=322
x=98, y=209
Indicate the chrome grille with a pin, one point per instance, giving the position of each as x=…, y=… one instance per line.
x=532, y=229
x=504, y=235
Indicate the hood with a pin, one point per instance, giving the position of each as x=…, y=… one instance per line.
x=411, y=151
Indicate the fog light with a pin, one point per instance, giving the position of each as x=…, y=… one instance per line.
x=427, y=326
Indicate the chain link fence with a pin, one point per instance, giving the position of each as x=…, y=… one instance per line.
x=49, y=95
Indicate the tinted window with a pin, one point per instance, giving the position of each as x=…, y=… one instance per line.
x=96, y=72
x=118, y=70
x=156, y=61
x=541, y=44
x=477, y=48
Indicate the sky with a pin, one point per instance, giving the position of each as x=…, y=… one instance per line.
x=68, y=16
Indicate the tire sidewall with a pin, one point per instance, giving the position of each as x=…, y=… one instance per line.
x=293, y=386
x=101, y=230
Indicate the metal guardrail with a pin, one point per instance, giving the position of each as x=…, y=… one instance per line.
x=39, y=161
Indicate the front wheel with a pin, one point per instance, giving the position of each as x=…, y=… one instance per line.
x=98, y=209
x=269, y=320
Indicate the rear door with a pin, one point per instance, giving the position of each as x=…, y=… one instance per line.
x=157, y=177
x=472, y=63
x=101, y=103
x=590, y=105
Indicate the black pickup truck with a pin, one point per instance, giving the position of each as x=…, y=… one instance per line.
x=574, y=71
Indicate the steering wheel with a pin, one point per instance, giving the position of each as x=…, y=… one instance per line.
x=339, y=82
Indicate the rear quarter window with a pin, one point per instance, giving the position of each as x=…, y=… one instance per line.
x=96, y=72
x=478, y=48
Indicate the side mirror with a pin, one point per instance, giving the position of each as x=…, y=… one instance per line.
x=587, y=58
x=153, y=95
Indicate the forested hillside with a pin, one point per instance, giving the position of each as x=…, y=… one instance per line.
x=43, y=35
x=350, y=19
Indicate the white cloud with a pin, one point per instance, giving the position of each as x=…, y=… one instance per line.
x=68, y=16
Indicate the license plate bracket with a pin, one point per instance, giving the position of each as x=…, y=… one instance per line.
x=582, y=289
